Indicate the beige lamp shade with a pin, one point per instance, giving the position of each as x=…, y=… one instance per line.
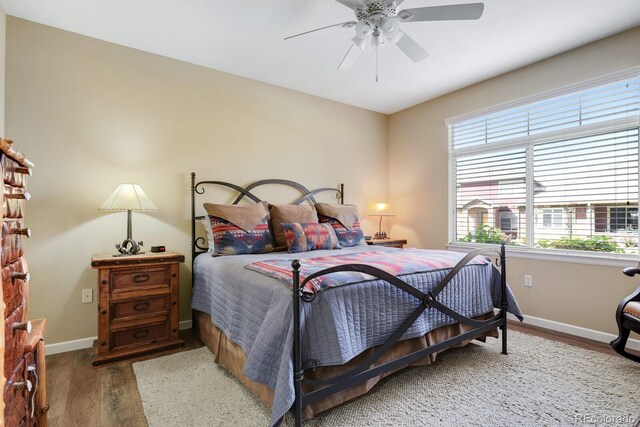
x=128, y=197
x=382, y=209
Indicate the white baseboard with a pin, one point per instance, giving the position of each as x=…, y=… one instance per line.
x=185, y=324
x=578, y=331
x=63, y=347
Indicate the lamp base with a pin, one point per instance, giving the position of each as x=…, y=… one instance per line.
x=129, y=247
x=380, y=235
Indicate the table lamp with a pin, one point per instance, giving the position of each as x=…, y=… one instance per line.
x=128, y=197
x=382, y=210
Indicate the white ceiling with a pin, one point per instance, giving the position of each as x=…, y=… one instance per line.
x=245, y=37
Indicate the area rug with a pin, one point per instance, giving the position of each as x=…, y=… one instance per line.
x=540, y=382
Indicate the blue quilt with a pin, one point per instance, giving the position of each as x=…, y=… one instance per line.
x=255, y=312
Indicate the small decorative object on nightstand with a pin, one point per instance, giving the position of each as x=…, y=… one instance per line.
x=137, y=304
x=397, y=243
x=382, y=210
x=128, y=197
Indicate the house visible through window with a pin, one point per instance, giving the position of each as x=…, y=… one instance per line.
x=623, y=219
x=554, y=173
x=552, y=217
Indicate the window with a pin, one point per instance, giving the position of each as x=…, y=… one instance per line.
x=508, y=221
x=623, y=219
x=559, y=172
x=552, y=217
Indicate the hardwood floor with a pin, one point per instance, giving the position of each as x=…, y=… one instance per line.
x=82, y=395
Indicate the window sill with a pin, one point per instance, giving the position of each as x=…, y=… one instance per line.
x=575, y=257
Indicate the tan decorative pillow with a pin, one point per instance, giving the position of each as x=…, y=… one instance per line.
x=239, y=229
x=345, y=223
x=247, y=217
x=346, y=214
x=281, y=214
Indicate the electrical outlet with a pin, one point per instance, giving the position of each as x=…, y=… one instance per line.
x=528, y=280
x=87, y=296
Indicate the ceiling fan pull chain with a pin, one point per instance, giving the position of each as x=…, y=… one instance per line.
x=376, y=63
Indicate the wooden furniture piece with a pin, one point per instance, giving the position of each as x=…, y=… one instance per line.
x=138, y=301
x=392, y=243
x=628, y=319
x=23, y=362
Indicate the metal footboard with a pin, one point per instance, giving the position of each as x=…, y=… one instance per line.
x=427, y=300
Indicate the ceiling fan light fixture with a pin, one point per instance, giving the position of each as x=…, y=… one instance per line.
x=394, y=36
x=388, y=25
x=364, y=28
x=360, y=43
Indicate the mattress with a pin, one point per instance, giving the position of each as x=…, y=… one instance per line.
x=255, y=312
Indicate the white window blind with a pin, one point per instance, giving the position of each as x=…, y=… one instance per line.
x=555, y=173
x=590, y=106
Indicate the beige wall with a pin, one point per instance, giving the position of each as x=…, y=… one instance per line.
x=92, y=115
x=580, y=295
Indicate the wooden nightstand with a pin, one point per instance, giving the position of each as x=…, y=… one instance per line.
x=393, y=243
x=137, y=304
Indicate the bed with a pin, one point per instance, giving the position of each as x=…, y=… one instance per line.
x=335, y=339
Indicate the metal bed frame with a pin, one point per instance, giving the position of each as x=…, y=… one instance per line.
x=425, y=301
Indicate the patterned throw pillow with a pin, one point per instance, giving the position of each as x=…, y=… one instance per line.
x=281, y=214
x=229, y=239
x=304, y=237
x=352, y=236
x=239, y=229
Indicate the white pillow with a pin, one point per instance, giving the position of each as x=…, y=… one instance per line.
x=206, y=223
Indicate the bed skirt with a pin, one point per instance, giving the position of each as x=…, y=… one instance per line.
x=231, y=357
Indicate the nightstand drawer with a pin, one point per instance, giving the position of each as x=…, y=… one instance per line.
x=140, y=308
x=138, y=302
x=139, y=335
x=132, y=279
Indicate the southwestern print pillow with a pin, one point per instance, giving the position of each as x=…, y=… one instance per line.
x=304, y=237
x=281, y=214
x=344, y=220
x=240, y=229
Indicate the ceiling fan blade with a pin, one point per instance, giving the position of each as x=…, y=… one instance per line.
x=452, y=12
x=411, y=48
x=347, y=24
x=350, y=58
x=353, y=4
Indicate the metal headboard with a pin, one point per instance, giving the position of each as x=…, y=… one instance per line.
x=199, y=187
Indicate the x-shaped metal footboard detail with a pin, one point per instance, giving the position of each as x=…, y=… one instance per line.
x=364, y=370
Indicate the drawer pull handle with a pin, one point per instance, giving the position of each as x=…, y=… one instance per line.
x=22, y=326
x=22, y=232
x=141, y=306
x=141, y=334
x=139, y=278
x=24, y=196
x=20, y=276
x=22, y=385
x=23, y=171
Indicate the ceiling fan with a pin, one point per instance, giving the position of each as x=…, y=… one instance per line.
x=378, y=25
